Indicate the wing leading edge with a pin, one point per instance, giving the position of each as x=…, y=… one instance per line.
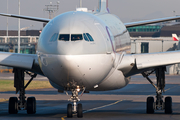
x=137, y=63
x=23, y=61
x=26, y=17
x=145, y=22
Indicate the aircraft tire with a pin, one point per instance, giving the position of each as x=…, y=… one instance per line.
x=31, y=105
x=168, y=105
x=69, y=110
x=79, y=111
x=13, y=105
x=149, y=105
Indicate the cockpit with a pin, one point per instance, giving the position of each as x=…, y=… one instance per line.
x=76, y=37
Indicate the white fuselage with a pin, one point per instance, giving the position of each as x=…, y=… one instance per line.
x=84, y=63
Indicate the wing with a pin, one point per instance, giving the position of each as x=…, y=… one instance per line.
x=137, y=63
x=26, y=17
x=133, y=24
x=24, y=61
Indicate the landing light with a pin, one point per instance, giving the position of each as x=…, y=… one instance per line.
x=78, y=89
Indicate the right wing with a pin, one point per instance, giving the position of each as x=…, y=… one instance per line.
x=26, y=17
x=23, y=61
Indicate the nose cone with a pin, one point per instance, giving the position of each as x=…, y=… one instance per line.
x=83, y=70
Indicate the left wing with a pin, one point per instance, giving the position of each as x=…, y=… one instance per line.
x=136, y=63
x=145, y=22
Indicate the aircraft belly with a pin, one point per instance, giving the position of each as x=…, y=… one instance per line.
x=83, y=70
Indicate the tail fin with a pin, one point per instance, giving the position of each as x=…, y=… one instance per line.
x=103, y=6
x=175, y=38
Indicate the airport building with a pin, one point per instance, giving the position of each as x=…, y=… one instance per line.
x=10, y=44
x=151, y=45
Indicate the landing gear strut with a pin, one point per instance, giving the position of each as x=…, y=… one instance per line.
x=16, y=104
x=74, y=108
x=159, y=104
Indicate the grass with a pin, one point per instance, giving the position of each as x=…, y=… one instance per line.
x=8, y=85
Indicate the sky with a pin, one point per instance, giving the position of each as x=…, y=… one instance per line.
x=126, y=10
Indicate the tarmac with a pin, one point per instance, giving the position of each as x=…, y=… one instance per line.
x=126, y=103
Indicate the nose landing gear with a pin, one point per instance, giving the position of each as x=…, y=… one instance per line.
x=74, y=108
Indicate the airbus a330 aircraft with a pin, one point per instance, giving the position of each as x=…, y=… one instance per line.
x=87, y=51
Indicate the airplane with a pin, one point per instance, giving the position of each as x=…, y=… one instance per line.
x=81, y=51
x=174, y=37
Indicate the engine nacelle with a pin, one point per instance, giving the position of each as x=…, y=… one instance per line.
x=115, y=81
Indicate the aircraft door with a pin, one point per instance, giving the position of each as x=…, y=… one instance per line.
x=105, y=37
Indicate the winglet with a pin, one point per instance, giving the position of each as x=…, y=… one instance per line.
x=103, y=6
x=174, y=37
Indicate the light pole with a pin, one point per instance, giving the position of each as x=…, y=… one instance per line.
x=51, y=9
x=19, y=30
x=7, y=21
x=80, y=3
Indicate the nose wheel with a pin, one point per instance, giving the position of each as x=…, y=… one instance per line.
x=79, y=111
x=69, y=111
x=74, y=108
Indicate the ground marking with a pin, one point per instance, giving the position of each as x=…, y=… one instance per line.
x=63, y=118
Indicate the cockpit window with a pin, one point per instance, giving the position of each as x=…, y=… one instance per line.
x=64, y=37
x=75, y=37
x=54, y=37
x=87, y=35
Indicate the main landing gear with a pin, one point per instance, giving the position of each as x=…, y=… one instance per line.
x=159, y=104
x=75, y=108
x=16, y=104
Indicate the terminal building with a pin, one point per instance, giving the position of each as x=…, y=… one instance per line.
x=141, y=45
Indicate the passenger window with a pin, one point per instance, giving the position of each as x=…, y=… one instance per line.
x=90, y=37
x=75, y=37
x=64, y=37
x=54, y=37
x=85, y=37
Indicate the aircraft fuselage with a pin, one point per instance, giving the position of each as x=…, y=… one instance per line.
x=80, y=48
